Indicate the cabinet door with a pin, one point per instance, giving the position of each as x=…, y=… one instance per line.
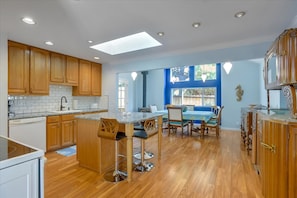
x=57, y=68
x=84, y=81
x=18, y=68
x=53, y=136
x=285, y=69
x=274, y=159
x=67, y=133
x=39, y=71
x=71, y=71
x=96, y=79
x=21, y=180
x=74, y=131
x=293, y=161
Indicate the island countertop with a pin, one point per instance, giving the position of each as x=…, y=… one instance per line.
x=121, y=117
x=89, y=148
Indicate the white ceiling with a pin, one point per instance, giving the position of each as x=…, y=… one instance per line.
x=69, y=24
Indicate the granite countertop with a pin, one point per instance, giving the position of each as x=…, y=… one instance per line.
x=53, y=113
x=122, y=117
x=281, y=115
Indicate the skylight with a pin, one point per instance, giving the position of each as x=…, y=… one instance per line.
x=129, y=43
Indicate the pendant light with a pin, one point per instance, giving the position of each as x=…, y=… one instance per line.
x=227, y=67
x=203, y=77
x=133, y=75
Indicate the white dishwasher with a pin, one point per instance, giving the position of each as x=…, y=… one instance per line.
x=30, y=131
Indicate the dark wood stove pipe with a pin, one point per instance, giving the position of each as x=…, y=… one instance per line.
x=144, y=75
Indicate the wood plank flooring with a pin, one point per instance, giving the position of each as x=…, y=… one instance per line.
x=190, y=166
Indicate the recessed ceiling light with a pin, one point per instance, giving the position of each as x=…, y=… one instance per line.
x=160, y=33
x=28, y=21
x=90, y=41
x=239, y=14
x=196, y=25
x=129, y=43
x=49, y=43
x=96, y=57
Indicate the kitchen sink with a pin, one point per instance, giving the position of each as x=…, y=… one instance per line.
x=67, y=111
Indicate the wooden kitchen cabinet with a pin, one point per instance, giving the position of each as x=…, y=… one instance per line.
x=96, y=79
x=274, y=159
x=18, y=68
x=39, y=71
x=67, y=130
x=84, y=80
x=292, y=161
x=53, y=133
x=61, y=131
x=71, y=76
x=281, y=61
x=63, y=69
x=28, y=69
x=57, y=68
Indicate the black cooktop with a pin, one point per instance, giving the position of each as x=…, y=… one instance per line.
x=10, y=149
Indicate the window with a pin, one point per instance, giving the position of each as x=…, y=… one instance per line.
x=208, y=69
x=194, y=96
x=122, y=95
x=184, y=85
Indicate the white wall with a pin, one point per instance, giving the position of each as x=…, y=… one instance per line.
x=4, y=84
x=246, y=74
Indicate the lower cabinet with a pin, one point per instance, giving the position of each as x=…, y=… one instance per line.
x=61, y=131
x=21, y=180
x=274, y=169
x=53, y=134
x=293, y=161
x=278, y=158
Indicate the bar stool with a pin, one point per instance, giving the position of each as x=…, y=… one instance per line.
x=109, y=129
x=150, y=129
x=147, y=154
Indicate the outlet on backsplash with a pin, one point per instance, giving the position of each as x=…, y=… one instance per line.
x=29, y=104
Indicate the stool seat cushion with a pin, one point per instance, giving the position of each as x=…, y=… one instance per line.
x=120, y=135
x=140, y=134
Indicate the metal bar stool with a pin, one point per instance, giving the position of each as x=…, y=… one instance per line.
x=150, y=129
x=147, y=154
x=109, y=129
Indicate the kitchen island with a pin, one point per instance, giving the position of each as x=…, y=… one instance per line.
x=98, y=154
x=21, y=170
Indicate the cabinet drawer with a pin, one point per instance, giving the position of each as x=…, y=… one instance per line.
x=68, y=117
x=51, y=119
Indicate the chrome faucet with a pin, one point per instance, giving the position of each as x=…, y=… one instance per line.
x=62, y=107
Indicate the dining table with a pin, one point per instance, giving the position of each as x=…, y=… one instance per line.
x=202, y=116
x=127, y=119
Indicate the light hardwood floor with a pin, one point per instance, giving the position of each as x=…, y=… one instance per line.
x=190, y=166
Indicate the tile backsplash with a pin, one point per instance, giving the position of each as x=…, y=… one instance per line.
x=29, y=104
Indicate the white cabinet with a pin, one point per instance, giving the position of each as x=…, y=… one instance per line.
x=21, y=170
x=21, y=180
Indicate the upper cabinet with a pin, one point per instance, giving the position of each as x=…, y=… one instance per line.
x=39, y=71
x=63, y=69
x=71, y=76
x=96, y=79
x=89, y=83
x=281, y=61
x=18, y=70
x=28, y=70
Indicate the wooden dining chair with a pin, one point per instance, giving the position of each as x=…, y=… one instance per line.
x=215, y=109
x=215, y=123
x=175, y=119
